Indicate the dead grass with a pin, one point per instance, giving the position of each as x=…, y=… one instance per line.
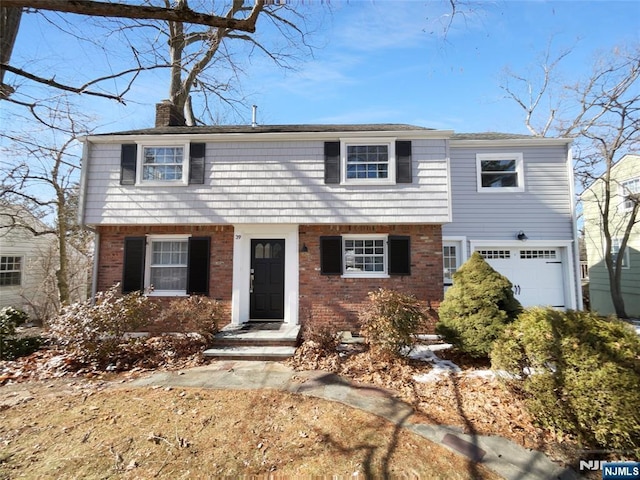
x=63, y=429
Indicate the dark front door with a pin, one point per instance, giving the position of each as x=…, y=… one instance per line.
x=267, y=279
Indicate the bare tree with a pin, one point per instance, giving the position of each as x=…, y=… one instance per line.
x=602, y=113
x=11, y=13
x=39, y=173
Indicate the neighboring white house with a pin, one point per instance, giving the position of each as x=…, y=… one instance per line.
x=625, y=181
x=28, y=264
x=297, y=223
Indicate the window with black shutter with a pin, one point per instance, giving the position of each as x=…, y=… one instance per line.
x=399, y=255
x=128, y=163
x=133, y=266
x=404, y=168
x=198, y=265
x=331, y=255
x=331, y=162
x=196, y=163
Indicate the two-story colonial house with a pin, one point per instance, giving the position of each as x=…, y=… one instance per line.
x=297, y=223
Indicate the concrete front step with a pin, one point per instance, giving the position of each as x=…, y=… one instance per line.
x=260, y=352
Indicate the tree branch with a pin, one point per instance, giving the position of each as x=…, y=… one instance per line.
x=122, y=10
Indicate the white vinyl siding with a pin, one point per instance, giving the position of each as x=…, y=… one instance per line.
x=263, y=182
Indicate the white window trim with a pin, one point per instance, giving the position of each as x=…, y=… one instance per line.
x=164, y=183
x=518, y=157
x=21, y=271
x=461, y=252
x=622, y=192
x=359, y=274
x=391, y=148
x=626, y=259
x=147, y=266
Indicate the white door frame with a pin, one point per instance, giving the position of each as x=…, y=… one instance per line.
x=243, y=234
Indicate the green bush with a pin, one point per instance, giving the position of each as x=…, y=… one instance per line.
x=194, y=314
x=10, y=346
x=476, y=309
x=580, y=374
x=391, y=321
x=94, y=331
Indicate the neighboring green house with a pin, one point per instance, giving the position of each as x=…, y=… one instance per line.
x=625, y=184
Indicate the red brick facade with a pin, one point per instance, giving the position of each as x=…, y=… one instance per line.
x=334, y=301
x=323, y=299
x=111, y=254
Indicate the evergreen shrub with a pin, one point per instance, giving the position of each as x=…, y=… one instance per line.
x=476, y=308
x=579, y=373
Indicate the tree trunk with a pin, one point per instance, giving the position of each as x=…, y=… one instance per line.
x=9, y=25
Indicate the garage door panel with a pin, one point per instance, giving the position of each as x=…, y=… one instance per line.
x=536, y=274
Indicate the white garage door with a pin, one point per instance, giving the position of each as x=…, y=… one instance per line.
x=537, y=274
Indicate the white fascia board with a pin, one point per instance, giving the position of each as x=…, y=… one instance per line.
x=270, y=136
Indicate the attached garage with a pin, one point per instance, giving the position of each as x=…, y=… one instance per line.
x=537, y=273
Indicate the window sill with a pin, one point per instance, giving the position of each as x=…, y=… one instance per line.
x=501, y=190
x=167, y=293
x=365, y=275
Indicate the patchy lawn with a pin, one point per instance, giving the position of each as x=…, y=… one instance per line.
x=78, y=429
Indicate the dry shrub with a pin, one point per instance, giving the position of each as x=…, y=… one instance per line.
x=391, y=322
x=93, y=332
x=195, y=314
x=324, y=337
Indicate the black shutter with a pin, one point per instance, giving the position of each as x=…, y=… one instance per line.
x=198, y=265
x=403, y=162
x=196, y=163
x=331, y=255
x=128, y=161
x=399, y=255
x=133, y=268
x=331, y=162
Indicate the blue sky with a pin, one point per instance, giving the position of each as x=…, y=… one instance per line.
x=384, y=61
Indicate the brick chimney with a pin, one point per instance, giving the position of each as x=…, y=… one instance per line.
x=167, y=115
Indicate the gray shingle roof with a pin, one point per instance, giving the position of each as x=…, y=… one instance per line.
x=377, y=127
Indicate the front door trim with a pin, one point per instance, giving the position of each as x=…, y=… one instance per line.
x=241, y=297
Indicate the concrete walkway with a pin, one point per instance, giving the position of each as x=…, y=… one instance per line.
x=498, y=454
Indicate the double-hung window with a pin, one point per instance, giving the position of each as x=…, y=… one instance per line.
x=369, y=162
x=630, y=193
x=163, y=164
x=167, y=261
x=364, y=255
x=158, y=163
x=615, y=251
x=10, y=271
x=500, y=172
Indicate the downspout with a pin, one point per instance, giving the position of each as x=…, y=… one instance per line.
x=574, y=226
x=86, y=150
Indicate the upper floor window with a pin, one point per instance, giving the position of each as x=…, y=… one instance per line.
x=367, y=162
x=500, y=172
x=615, y=250
x=10, y=271
x=162, y=164
x=165, y=164
x=630, y=193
